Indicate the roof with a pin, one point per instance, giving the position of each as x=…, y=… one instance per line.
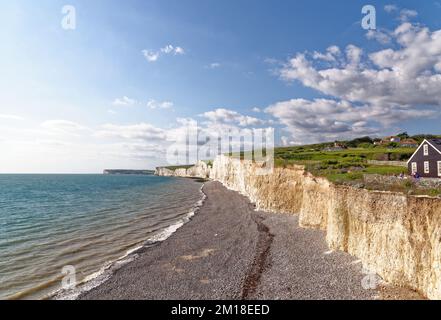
x=409, y=141
x=436, y=143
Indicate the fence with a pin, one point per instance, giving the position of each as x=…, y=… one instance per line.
x=388, y=163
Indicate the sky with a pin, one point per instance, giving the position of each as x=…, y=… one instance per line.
x=118, y=86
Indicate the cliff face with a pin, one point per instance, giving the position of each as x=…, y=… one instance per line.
x=164, y=172
x=397, y=236
x=394, y=235
x=200, y=170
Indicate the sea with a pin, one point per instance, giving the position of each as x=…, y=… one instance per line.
x=61, y=235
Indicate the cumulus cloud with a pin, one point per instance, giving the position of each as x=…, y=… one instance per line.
x=10, y=117
x=371, y=90
x=404, y=14
x=325, y=119
x=124, y=101
x=214, y=65
x=63, y=126
x=153, y=56
x=141, y=131
x=382, y=36
x=390, y=8
x=225, y=116
x=331, y=55
x=407, y=14
x=141, y=151
x=153, y=104
x=404, y=76
x=321, y=119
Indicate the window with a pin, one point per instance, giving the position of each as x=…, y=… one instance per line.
x=439, y=168
x=426, y=167
x=414, y=167
x=426, y=149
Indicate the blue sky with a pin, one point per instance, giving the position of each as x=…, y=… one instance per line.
x=107, y=93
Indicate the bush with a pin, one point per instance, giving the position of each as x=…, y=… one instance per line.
x=366, y=145
x=434, y=192
x=355, y=176
x=408, y=184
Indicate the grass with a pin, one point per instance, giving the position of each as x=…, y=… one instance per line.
x=174, y=168
x=347, y=166
x=303, y=153
x=350, y=166
x=385, y=170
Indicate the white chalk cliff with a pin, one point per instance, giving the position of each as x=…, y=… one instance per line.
x=397, y=236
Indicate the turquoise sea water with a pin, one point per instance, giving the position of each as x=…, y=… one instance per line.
x=48, y=222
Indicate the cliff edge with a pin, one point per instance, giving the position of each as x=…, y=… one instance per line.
x=397, y=236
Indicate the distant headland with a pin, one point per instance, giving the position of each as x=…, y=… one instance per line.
x=125, y=171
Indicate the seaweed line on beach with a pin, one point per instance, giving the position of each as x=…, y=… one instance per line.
x=260, y=262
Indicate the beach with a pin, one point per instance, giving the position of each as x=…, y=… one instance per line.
x=231, y=251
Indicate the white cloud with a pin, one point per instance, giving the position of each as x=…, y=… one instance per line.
x=153, y=104
x=382, y=36
x=331, y=55
x=139, y=151
x=153, y=56
x=10, y=117
x=372, y=90
x=179, y=50
x=225, y=116
x=214, y=65
x=325, y=120
x=256, y=110
x=390, y=8
x=321, y=119
x=167, y=49
x=124, y=101
x=403, y=76
x=63, y=126
x=141, y=131
x=406, y=14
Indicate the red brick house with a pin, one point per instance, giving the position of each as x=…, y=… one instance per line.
x=426, y=161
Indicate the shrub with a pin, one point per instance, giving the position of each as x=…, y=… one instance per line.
x=408, y=184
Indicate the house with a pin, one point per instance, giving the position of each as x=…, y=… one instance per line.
x=388, y=140
x=409, y=143
x=378, y=142
x=426, y=161
x=337, y=147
